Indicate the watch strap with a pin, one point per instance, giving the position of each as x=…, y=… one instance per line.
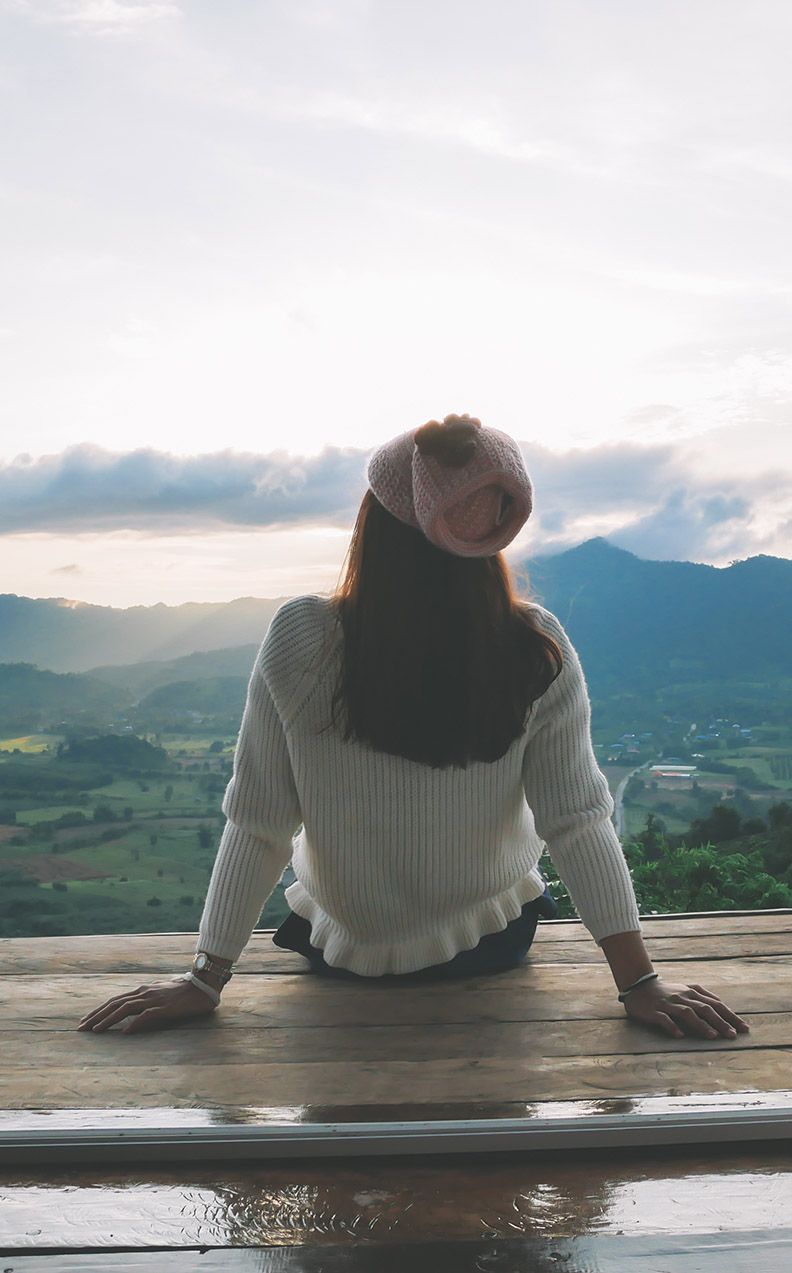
x=209, y=965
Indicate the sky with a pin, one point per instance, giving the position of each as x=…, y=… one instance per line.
x=243, y=244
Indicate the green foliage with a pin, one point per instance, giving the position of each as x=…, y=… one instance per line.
x=211, y=696
x=206, y=836
x=566, y=908
x=703, y=879
x=693, y=873
x=31, y=697
x=723, y=824
x=12, y=877
x=119, y=751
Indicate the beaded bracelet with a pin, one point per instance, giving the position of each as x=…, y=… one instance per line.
x=210, y=990
x=649, y=976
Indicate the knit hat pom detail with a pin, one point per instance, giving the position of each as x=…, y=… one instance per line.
x=451, y=443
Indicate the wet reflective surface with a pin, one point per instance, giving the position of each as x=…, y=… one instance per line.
x=744, y=1252
x=163, y=1117
x=400, y=1201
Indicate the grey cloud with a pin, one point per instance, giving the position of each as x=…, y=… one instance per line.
x=681, y=529
x=88, y=489
x=602, y=477
x=662, y=509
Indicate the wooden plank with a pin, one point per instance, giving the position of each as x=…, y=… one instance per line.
x=682, y=925
x=81, y=1126
x=703, y=946
x=407, y=1200
x=591, y=1254
x=531, y=993
x=172, y=951
x=107, y=955
x=163, y=954
x=228, y=1045
x=675, y=1072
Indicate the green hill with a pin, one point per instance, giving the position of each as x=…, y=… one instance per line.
x=140, y=679
x=217, y=695
x=31, y=699
x=640, y=624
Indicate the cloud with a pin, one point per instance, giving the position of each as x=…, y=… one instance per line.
x=99, y=17
x=650, y=500
x=71, y=569
x=86, y=488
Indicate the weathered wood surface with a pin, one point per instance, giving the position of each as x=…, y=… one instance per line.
x=112, y=956
x=408, y=1200
x=294, y=1045
x=195, y=1083
x=549, y=1030
x=532, y=993
x=717, y=937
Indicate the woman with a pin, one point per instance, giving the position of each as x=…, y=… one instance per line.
x=430, y=733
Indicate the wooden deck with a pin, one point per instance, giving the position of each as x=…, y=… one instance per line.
x=547, y=1041
x=549, y=1031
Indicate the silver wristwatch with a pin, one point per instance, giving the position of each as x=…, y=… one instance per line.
x=203, y=963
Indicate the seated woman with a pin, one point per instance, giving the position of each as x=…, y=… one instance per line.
x=430, y=735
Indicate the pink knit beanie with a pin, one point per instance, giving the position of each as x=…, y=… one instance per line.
x=464, y=486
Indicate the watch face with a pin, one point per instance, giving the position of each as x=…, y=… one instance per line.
x=200, y=961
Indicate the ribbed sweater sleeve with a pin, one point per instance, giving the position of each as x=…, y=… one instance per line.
x=263, y=812
x=571, y=803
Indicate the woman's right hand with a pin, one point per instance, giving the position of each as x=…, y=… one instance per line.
x=151, y=1006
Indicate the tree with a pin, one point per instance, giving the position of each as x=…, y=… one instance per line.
x=205, y=836
x=168, y=793
x=723, y=824
x=703, y=879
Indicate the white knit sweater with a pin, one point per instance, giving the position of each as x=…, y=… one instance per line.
x=400, y=865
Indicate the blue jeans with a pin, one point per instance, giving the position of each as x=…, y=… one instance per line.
x=495, y=952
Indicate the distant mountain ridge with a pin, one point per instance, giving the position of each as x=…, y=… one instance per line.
x=636, y=624
x=138, y=680
x=67, y=636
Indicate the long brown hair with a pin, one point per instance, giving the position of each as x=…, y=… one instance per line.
x=441, y=660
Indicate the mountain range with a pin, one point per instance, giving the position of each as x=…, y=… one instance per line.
x=70, y=636
x=637, y=625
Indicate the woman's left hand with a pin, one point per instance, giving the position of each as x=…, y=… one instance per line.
x=683, y=1010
